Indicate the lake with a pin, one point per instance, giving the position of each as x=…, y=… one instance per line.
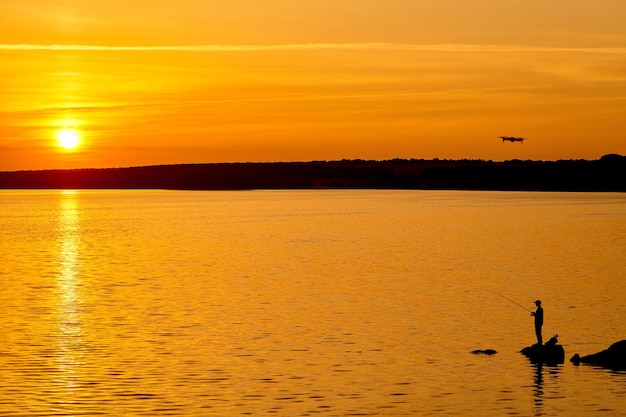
x=307, y=303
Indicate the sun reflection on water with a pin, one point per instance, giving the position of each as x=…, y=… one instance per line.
x=68, y=357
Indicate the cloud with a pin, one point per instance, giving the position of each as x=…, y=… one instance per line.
x=365, y=46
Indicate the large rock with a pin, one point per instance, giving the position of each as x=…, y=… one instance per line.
x=550, y=353
x=613, y=357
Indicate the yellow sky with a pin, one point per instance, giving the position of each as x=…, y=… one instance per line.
x=153, y=82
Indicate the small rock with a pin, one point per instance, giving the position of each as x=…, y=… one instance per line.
x=485, y=352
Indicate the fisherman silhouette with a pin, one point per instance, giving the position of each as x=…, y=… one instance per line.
x=538, y=314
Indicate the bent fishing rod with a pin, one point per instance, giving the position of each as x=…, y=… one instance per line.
x=507, y=298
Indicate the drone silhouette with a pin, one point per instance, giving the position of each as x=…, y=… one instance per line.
x=512, y=139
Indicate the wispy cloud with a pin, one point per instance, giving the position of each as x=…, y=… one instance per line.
x=373, y=46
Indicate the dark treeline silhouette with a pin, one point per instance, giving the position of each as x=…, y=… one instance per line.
x=605, y=174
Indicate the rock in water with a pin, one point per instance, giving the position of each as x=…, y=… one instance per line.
x=485, y=352
x=549, y=354
x=613, y=357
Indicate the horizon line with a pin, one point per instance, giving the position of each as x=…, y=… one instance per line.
x=373, y=46
x=435, y=159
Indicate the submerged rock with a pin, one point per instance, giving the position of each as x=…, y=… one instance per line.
x=550, y=353
x=613, y=357
x=485, y=352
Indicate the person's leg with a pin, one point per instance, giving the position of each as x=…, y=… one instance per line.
x=538, y=333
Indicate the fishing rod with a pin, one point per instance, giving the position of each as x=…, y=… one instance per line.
x=507, y=298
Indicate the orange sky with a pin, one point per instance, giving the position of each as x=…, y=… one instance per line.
x=152, y=82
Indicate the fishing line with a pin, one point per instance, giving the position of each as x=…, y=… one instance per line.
x=507, y=298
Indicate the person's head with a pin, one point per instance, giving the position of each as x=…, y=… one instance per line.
x=538, y=303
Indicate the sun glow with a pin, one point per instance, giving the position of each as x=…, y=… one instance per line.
x=68, y=138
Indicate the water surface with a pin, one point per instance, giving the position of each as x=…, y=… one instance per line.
x=301, y=303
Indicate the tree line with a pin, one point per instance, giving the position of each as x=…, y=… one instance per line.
x=605, y=174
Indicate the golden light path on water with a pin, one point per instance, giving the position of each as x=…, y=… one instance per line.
x=68, y=358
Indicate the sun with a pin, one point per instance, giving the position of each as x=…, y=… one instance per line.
x=68, y=138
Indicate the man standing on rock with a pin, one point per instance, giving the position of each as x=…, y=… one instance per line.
x=538, y=314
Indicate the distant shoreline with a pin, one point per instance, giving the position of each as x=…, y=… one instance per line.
x=605, y=174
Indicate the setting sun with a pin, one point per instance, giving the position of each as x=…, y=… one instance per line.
x=68, y=138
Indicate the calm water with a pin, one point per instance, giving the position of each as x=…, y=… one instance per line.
x=304, y=303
